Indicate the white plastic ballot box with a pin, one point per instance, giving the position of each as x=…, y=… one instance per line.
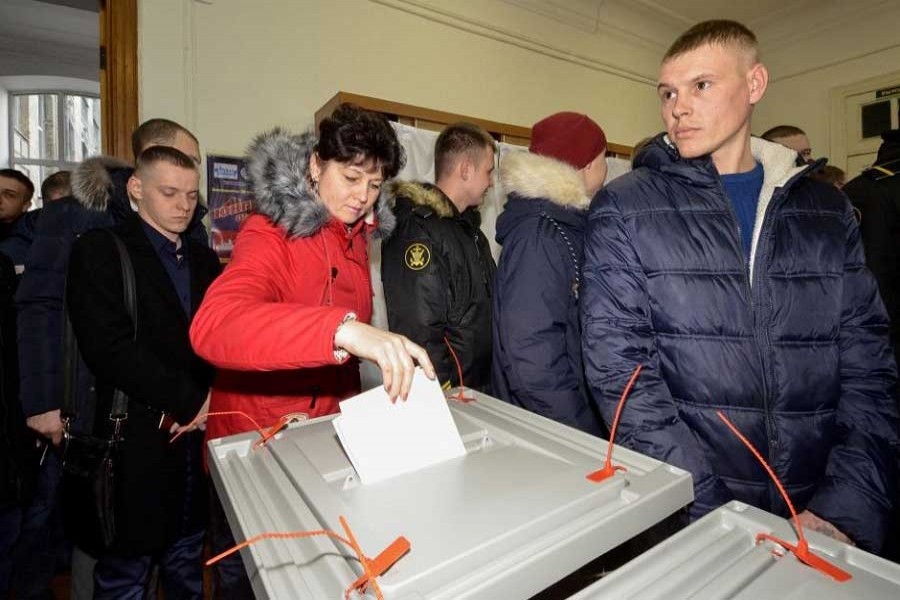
x=718, y=557
x=511, y=517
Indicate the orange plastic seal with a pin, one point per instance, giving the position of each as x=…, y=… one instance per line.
x=610, y=469
x=801, y=550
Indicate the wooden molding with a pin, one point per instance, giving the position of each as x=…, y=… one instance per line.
x=435, y=120
x=118, y=75
x=412, y=114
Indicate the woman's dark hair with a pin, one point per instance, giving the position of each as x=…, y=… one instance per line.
x=353, y=135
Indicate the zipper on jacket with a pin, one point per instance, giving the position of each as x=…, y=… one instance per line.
x=778, y=196
x=748, y=289
x=481, y=265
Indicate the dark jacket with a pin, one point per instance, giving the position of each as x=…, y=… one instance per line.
x=537, y=335
x=159, y=372
x=99, y=200
x=17, y=456
x=792, y=348
x=438, y=274
x=17, y=241
x=876, y=194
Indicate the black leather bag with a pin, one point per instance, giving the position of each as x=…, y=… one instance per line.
x=89, y=482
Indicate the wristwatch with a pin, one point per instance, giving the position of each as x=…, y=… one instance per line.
x=341, y=355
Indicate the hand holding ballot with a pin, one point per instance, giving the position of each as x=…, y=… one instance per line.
x=383, y=440
x=392, y=353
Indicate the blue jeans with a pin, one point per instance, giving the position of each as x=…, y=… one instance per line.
x=180, y=569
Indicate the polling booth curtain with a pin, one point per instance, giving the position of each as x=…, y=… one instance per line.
x=419, y=147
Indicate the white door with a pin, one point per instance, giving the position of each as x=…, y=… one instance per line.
x=867, y=114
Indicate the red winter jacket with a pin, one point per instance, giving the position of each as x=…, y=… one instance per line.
x=268, y=322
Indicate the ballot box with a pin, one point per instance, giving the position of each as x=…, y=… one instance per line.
x=512, y=516
x=718, y=557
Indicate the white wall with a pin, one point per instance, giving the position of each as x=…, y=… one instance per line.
x=806, y=66
x=230, y=69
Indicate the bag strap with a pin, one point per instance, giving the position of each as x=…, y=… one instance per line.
x=119, y=408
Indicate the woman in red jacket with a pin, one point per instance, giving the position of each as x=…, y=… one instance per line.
x=286, y=321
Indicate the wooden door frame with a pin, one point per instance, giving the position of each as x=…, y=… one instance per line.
x=118, y=75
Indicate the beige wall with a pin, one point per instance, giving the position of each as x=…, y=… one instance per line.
x=805, y=100
x=232, y=68
x=800, y=91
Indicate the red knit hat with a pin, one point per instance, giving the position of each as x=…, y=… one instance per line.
x=567, y=136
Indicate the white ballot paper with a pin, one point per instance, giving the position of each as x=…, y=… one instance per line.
x=383, y=440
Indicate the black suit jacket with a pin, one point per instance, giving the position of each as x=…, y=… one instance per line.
x=162, y=496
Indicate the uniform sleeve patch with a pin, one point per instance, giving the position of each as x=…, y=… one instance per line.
x=417, y=256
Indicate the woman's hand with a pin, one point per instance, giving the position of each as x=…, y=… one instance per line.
x=394, y=354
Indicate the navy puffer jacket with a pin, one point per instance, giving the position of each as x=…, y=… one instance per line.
x=793, y=347
x=537, y=337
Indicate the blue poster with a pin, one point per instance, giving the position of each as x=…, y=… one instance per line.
x=229, y=198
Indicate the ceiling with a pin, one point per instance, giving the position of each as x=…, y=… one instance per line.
x=91, y=5
x=749, y=12
x=47, y=39
x=48, y=22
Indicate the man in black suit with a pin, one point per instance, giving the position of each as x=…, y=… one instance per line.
x=161, y=505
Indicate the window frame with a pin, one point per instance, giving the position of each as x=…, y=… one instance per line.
x=62, y=134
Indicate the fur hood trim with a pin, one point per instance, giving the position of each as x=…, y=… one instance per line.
x=92, y=184
x=279, y=169
x=421, y=195
x=530, y=175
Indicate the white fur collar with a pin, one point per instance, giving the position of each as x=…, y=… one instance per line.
x=533, y=176
x=779, y=166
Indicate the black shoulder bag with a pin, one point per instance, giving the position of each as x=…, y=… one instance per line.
x=90, y=461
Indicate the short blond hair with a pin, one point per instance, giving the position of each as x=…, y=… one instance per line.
x=717, y=32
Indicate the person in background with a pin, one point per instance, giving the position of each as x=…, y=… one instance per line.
x=831, y=175
x=161, y=500
x=537, y=335
x=18, y=242
x=99, y=199
x=740, y=285
x=287, y=321
x=875, y=193
x=791, y=137
x=437, y=268
x=56, y=186
x=16, y=221
x=638, y=148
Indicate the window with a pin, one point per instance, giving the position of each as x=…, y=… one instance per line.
x=52, y=131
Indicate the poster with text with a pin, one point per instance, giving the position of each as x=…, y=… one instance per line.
x=230, y=200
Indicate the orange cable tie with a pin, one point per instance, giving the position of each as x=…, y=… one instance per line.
x=259, y=429
x=460, y=397
x=609, y=469
x=372, y=568
x=801, y=550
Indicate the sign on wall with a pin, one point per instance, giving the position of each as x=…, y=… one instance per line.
x=230, y=199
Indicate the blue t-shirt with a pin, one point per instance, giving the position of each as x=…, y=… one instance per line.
x=743, y=192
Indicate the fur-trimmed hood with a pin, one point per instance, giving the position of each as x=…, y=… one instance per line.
x=421, y=194
x=530, y=175
x=96, y=180
x=279, y=169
